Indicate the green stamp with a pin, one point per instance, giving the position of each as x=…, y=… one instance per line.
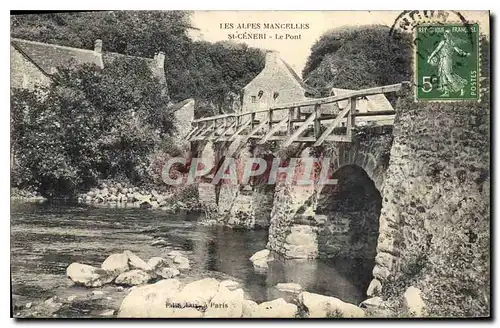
x=447, y=62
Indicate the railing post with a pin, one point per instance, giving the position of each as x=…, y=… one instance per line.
x=350, y=117
x=270, y=118
x=252, y=117
x=317, y=122
x=290, y=120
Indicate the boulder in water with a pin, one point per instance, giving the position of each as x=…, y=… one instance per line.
x=181, y=262
x=88, y=275
x=277, y=308
x=260, y=259
x=133, y=277
x=157, y=263
x=288, y=287
x=136, y=262
x=370, y=303
x=116, y=263
x=167, y=273
x=320, y=306
x=149, y=301
x=225, y=304
x=248, y=307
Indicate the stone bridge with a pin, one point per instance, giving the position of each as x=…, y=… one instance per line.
x=310, y=220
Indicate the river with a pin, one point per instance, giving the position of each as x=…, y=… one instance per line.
x=46, y=238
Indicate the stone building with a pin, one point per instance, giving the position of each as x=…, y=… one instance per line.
x=35, y=63
x=276, y=84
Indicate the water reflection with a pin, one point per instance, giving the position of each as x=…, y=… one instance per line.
x=229, y=251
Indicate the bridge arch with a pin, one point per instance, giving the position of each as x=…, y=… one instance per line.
x=347, y=215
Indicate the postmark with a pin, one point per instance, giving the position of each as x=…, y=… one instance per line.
x=446, y=54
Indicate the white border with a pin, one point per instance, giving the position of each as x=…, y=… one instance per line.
x=188, y=5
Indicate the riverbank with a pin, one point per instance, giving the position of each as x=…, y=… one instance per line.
x=118, y=195
x=126, y=286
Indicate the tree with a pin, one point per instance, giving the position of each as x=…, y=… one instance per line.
x=92, y=124
x=356, y=58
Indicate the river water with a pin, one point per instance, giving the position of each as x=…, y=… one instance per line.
x=46, y=238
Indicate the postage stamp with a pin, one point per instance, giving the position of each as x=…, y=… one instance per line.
x=447, y=62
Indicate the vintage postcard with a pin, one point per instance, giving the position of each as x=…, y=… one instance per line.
x=250, y=164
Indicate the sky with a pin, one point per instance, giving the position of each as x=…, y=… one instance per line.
x=296, y=51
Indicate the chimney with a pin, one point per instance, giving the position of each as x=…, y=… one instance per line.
x=272, y=57
x=98, y=46
x=160, y=60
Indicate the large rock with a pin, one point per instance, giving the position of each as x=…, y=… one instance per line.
x=181, y=262
x=167, y=273
x=260, y=255
x=248, y=308
x=260, y=259
x=88, y=275
x=116, y=263
x=320, y=306
x=136, y=262
x=288, y=287
x=158, y=263
x=133, y=277
x=413, y=302
x=197, y=294
x=193, y=300
x=375, y=288
x=225, y=304
x=371, y=303
x=277, y=308
x=230, y=284
x=149, y=301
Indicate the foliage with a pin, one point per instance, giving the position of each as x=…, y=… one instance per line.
x=357, y=58
x=214, y=74
x=89, y=125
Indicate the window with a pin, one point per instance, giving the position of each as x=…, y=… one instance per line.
x=276, y=95
x=261, y=93
x=254, y=99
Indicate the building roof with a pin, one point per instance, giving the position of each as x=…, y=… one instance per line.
x=299, y=80
x=48, y=57
x=370, y=103
x=180, y=104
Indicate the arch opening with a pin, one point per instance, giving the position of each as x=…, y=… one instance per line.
x=349, y=212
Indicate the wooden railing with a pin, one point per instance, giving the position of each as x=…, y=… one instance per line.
x=295, y=118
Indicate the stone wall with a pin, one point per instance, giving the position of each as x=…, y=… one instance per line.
x=434, y=224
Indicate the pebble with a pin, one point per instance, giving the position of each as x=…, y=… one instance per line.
x=71, y=298
x=97, y=292
x=28, y=305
